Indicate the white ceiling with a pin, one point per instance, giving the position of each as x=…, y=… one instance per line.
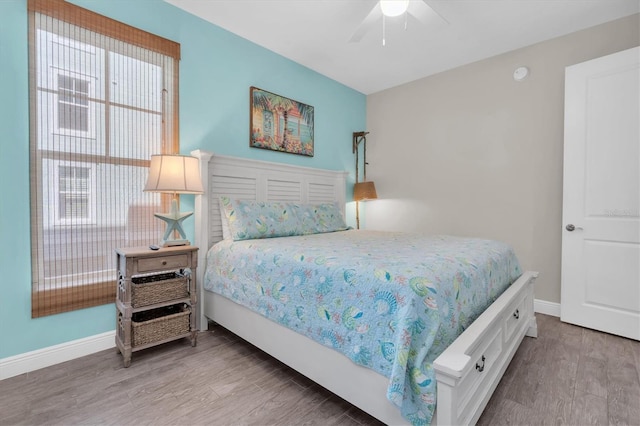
x=316, y=33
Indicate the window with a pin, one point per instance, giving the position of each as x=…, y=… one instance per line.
x=103, y=100
x=76, y=196
x=73, y=103
x=73, y=184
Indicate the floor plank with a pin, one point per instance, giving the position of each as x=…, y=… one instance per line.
x=567, y=376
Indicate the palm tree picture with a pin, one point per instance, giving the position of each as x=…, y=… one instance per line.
x=280, y=124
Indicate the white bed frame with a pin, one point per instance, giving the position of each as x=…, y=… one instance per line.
x=467, y=372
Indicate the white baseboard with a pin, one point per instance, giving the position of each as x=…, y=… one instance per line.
x=35, y=360
x=547, y=308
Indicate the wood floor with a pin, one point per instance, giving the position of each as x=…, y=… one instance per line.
x=569, y=376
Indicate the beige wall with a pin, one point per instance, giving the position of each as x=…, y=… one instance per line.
x=472, y=152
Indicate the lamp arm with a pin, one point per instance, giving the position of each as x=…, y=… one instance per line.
x=364, y=162
x=357, y=138
x=357, y=171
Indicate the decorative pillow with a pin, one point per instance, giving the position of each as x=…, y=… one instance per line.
x=250, y=219
x=226, y=233
x=321, y=218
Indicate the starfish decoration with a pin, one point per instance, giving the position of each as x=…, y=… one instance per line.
x=174, y=223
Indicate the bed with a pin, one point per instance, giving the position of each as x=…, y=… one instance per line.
x=466, y=371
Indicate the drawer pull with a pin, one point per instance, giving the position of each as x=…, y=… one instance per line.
x=164, y=262
x=516, y=314
x=479, y=367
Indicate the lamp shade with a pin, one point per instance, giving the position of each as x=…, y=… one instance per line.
x=364, y=191
x=174, y=173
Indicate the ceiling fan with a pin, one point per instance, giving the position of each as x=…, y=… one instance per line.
x=383, y=9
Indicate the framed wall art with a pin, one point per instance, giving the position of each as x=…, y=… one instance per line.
x=280, y=124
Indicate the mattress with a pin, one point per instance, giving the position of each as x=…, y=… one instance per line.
x=391, y=302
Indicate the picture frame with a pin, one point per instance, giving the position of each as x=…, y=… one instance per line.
x=280, y=124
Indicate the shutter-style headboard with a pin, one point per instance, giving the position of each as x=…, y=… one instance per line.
x=247, y=179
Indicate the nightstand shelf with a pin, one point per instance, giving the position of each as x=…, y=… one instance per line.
x=121, y=305
x=156, y=297
x=159, y=342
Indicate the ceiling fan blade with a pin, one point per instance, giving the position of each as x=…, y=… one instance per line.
x=425, y=13
x=374, y=15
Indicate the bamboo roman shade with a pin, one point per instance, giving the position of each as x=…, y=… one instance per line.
x=103, y=99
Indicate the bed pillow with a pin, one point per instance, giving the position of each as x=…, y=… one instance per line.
x=250, y=219
x=321, y=218
x=226, y=233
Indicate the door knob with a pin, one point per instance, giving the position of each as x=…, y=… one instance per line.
x=571, y=227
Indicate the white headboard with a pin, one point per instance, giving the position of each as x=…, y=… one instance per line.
x=247, y=179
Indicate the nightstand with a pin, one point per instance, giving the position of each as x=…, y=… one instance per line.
x=156, y=298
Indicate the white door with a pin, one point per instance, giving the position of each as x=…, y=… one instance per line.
x=601, y=198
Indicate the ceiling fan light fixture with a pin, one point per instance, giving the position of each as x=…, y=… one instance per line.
x=393, y=8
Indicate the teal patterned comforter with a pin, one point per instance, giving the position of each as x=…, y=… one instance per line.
x=389, y=301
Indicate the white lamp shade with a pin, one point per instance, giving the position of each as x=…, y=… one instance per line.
x=174, y=173
x=394, y=7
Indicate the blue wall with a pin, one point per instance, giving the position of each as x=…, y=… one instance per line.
x=216, y=71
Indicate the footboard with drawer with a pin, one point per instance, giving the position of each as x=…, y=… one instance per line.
x=469, y=370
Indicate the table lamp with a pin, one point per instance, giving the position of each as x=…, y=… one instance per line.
x=174, y=174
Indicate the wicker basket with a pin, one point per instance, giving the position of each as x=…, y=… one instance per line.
x=159, y=324
x=149, y=289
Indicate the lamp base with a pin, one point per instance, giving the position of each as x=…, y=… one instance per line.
x=174, y=243
x=174, y=224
